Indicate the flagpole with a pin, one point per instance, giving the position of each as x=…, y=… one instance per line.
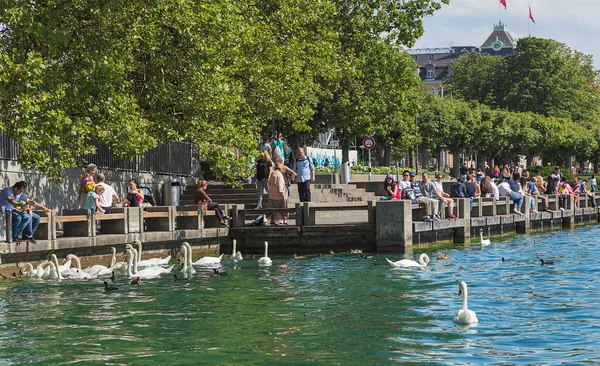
x=499, y=12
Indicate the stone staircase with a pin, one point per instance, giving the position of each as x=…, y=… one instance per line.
x=247, y=194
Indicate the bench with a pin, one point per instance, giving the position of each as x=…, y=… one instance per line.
x=78, y=222
x=192, y=217
x=158, y=218
x=116, y=222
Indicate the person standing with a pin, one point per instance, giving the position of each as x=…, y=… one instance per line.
x=264, y=167
x=288, y=155
x=305, y=171
x=278, y=147
x=86, y=183
x=277, y=194
x=109, y=197
x=12, y=199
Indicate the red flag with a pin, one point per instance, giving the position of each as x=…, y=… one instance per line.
x=531, y=15
x=503, y=2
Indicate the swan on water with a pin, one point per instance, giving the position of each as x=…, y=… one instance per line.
x=423, y=262
x=151, y=261
x=464, y=315
x=187, y=258
x=38, y=272
x=113, y=258
x=204, y=261
x=484, y=241
x=146, y=273
x=265, y=261
x=54, y=272
x=236, y=256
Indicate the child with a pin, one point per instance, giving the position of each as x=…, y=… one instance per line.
x=92, y=200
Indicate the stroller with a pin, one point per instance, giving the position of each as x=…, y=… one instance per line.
x=148, y=195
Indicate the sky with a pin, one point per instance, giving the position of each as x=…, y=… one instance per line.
x=470, y=22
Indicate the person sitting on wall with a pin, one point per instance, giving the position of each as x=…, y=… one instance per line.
x=391, y=189
x=15, y=200
x=135, y=196
x=203, y=199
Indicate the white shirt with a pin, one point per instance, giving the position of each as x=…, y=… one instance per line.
x=504, y=189
x=495, y=193
x=106, y=198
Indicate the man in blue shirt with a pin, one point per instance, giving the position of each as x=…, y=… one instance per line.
x=305, y=171
x=15, y=200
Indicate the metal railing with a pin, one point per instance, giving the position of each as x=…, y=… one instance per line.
x=173, y=158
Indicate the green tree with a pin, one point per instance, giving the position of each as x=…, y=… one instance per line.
x=475, y=77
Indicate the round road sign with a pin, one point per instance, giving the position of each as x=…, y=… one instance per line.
x=368, y=143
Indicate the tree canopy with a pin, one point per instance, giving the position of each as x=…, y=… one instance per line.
x=133, y=74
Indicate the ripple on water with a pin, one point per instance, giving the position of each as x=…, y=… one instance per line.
x=332, y=310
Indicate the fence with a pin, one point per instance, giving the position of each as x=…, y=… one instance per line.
x=173, y=158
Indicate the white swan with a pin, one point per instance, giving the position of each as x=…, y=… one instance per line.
x=236, y=256
x=484, y=241
x=54, y=271
x=113, y=258
x=66, y=265
x=187, y=258
x=72, y=270
x=423, y=262
x=265, y=261
x=38, y=272
x=464, y=315
x=205, y=261
x=146, y=273
x=151, y=261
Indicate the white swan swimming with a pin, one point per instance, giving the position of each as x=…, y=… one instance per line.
x=205, y=261
x=265, y=261
x=187, y=258
x=484, y=241
x=54, y=271
x=38, y=272
x=113, y=258
x=151, y=261
x=236, y=256
x=464, y=316
x=423, y=262
x=146, y=273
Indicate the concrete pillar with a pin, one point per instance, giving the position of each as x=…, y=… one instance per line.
x=307, y=218
x=371, y=207
x=7, y=225
x=393, y=225
x=463, y=234
x=524, y=225
x=135, y=220
x=299, y=214
x=568, y=215
x=237, y=217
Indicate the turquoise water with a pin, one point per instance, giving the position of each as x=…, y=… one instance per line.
x=342, y=310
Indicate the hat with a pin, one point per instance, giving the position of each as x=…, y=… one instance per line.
x=412, y=174
x=389, y=176
x=267, y=147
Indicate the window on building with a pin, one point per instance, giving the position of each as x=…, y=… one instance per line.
x=430, y=72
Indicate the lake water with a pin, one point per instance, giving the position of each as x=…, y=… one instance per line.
x=340, y=310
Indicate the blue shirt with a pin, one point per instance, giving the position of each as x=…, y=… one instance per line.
x=8, y=192
x=304, y=169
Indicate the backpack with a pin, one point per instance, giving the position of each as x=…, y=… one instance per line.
x=409, y=194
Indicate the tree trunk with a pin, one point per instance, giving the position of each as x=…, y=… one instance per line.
x=345, y=145
x=387, y=155
x=455, y=164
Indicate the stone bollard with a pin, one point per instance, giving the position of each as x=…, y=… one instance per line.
x=393, y=225
x=568, y=215
x=523, y=224
x=463, y=234
x=299, y=214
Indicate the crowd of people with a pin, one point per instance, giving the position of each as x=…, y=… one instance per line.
x=277, y=168
x=513, y=182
